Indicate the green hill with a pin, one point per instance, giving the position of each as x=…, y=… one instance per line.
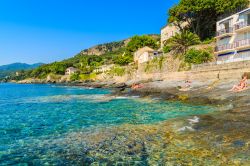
x=6, y=70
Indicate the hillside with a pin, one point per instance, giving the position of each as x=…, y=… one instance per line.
x=6, y=70
x=19, y=66
x=105, y=48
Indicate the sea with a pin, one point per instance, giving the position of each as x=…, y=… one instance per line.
x=43, y=124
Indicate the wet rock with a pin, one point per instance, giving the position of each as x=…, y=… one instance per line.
x=238, y=143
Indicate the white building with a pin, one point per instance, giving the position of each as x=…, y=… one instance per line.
x=233, y=38
x=145, y=54
x=70, y=71
x=167, y=32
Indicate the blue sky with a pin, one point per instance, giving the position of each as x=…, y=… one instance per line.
x=51, y=30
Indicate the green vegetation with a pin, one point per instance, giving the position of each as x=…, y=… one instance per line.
x=201, y=15
x=156, y=63
x=182, y=41
x=137, y=42
x=44, y=70
x=11, y=69
x=166, y=48
x=123, y=60
x=117, y=71
x=209, y=40
x=160, y=60
x=75, y=77
x=194, y=56
x=84, y=77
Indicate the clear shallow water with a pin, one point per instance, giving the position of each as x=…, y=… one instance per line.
x=33, y=115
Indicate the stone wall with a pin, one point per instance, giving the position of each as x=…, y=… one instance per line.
x=169, y=71
x=226, y=71
x=226, y=66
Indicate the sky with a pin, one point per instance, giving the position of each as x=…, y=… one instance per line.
x=33, y=31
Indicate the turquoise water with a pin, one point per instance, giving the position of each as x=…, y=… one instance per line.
x=33, y=116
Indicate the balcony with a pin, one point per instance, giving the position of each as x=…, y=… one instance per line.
x=225, y=32
x=242, y=44
x=242, y=26
x=224, y=48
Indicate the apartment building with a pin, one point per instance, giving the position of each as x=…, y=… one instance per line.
x=233, y=37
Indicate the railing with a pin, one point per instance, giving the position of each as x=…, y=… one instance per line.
x=241, y=25
x=224, y=31
x=242, y=43
x=236, y=44
x=224, y=47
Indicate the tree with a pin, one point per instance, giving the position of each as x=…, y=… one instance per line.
x=194, y=56
x=123, y=60
x=137, y=42
x=201, y=15
x=181, y=41
x=75, y=77
x=166, y=49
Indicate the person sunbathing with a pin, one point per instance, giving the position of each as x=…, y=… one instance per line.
x=186, y=87
x=137, y=86
x=241, y=86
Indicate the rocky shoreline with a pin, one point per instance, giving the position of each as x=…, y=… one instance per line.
x=214, y=92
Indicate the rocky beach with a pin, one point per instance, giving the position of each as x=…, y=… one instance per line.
x=217, y=138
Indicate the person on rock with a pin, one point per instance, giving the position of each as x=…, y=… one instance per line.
x=241, y=86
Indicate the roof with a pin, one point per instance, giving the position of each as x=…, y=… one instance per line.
x=71, y=68
x=167, y=25
x=144, y=49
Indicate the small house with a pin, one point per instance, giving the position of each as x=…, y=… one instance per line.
x=145, y=54
x=71, y=70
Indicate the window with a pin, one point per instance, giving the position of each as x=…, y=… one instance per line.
x=248, y=19
x=226, y=25
x=246, y=35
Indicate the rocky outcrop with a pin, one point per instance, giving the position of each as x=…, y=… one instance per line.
x=110, y=47
x=32, y=81
x=105, y=48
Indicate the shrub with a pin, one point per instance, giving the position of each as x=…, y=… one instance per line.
x=91, y=76
x=181, y=41
x=117, y=71
x=123, y=60
x=161, y=60
x=195, y=56
x=166, y=49
x=137, y=42
x=208, y=41
x=75, y=77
